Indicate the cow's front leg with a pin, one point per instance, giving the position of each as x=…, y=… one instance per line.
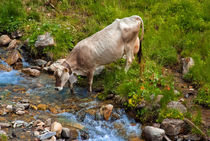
x=90, y=80
x=72, y=80
x=71, y=86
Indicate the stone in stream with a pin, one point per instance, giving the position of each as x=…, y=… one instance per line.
x=13, y=57
x=31, y=72
x=4, y=124
x=4, y=40
x=46, y=135
x=178, y=106
x=44, y=40
x=48, y=122
x=173, y=127
x=40, y=62
x=65, y=133
x=9, y=108
x=19, y=123
x=36, y=133
x=13, y=44
x=20, y=112
x=42, y=107
x=56, y=127
x=153, y=134
x=106, y=111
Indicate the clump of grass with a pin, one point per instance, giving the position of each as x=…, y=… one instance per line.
x=12, y=15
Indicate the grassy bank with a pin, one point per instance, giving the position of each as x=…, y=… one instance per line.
x=172, y=28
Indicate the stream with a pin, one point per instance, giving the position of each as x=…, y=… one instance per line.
x=79, y=108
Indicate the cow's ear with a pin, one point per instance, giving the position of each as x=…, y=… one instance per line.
x=66, y=70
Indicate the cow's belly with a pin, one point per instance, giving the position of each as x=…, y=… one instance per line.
x=109, y=55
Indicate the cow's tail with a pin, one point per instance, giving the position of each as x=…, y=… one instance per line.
x=140, y=41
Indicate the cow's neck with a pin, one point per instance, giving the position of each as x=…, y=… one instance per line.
x=66, y=65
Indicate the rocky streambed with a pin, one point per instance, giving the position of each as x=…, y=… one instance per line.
x=30, y=108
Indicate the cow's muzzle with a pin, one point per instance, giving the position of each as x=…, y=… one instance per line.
x=58, y=88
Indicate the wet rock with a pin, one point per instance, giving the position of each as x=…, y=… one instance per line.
x=187, y=64
x=4, y=40
x=135, y=139
x=48, y=122
x=4, y=124
x=115, y=116
x=192, y=137
x=36, y=133
x=56, y=65
x=53, y=110
x=173, y=127
x=3, y=112
x=31, y=72
x=40, y=62
x=5, y=67
x=17, y=34
x=9, y=108
x=84, y=135
x=74, y=134
x=77, y=125
x=98, y=116
x=178, y=106
x=42, y=107
x=106, y=111
x=21, y=105
x=56, y=127
x=44, y=40
x=41, y=124
x=19, y=123
x=46, y=135
x=13, y=57
x=120, y=128
x=35, y=124
x=36, y=67
x=33, y=107
x=24, y=101
x=18, y=65
x=153, y=134
x=13, y=44
x=20, y=112
x=65, y=133
x=157, y=125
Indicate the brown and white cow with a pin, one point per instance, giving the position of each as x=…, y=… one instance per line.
x=104, y=47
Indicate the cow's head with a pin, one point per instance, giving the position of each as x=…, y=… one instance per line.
x=62, y=75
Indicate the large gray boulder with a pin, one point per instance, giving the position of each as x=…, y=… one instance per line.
x=44, y=40
x=173, y=127
x=151, y=133
x=178, y=106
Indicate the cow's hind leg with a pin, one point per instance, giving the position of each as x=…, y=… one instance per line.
x=129, y=56
x=90, y=80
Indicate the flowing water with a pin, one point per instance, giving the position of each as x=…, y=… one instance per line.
x=15, y=85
